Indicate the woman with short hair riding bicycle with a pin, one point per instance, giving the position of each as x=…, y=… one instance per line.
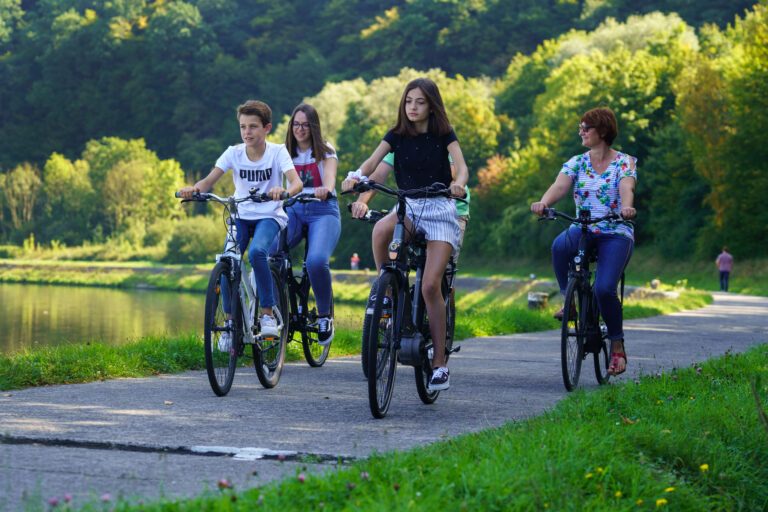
x=603, y=181
x=422, y=140
x=315, y=160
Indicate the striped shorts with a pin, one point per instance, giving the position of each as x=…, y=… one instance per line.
x=436, y=216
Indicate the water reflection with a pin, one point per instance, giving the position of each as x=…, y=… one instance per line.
x=34, y=315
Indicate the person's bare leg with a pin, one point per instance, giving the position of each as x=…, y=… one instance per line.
x=438, y=254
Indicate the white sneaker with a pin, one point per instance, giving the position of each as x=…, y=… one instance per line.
x=324, y=331
x=225, y=340
x=440, y=379
x=269, y=327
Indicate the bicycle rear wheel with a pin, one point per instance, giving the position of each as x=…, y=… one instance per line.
x=424, y=371
x=314, y=352
x=382, y=351
x=601, y=356
x=269, y=354
x=572, y=334
x=220, y=354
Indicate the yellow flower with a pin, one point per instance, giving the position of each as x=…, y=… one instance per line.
x=618, y=494
x=704, y=468
x=669, y=489
x=588, y=476
x=661, y=502
x=639, y=502
x=600, y=470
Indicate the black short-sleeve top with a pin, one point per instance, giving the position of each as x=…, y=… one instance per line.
x=421, y=160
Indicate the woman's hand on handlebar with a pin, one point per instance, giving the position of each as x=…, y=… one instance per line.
x=628, y=212
x=359, y=209
x=538, y=207
x=348, y=184
x=322, y=193
x=188, y=192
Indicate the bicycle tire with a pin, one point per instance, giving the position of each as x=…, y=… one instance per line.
x=602, y=357
x=269, y=355
x=423, y=372
x=382, y=350
x=220, y=360
x=314, y=352
x=572, y=334
x=366, y=328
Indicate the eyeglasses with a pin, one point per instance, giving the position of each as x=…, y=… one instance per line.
x=584, y=127
x=297, y=125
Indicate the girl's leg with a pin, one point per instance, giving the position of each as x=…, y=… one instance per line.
x=382, y=235
x=263, y=235
x=323, y=235
x=438, y=254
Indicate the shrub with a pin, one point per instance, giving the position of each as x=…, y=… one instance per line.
x=195, y=240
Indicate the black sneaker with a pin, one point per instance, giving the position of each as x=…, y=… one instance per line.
x=440, y=379
x=325, y=330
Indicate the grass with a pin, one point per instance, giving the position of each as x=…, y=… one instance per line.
x=623, y=447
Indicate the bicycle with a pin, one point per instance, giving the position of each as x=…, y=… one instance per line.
x=303, y=315
x=398, y=327
x=583, y=331
x=241, y=321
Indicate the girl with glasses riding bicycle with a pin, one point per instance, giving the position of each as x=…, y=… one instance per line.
x=603, y=181
x=422, y=140
x=315, y=160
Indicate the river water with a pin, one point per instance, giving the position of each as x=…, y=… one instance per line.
x=36, y=315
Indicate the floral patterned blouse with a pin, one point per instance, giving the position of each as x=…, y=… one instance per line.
x=599, y=193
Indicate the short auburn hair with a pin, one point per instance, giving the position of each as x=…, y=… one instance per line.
x=255, y=108
x=604, y=121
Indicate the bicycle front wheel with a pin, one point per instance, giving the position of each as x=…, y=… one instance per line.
x=382, y=348
x=424, y=371
x=221, y=348
x=572, y=334
x=601, y=356
x=314, y=352
x=269, y=354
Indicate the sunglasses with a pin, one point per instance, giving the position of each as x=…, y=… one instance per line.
x=584, y=127
x=298, y=125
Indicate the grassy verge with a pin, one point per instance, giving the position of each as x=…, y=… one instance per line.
x=484, y=312
x=623, y=447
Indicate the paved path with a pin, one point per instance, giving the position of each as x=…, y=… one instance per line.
x=157, y=436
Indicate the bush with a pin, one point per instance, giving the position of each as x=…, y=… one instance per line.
x=195, y=240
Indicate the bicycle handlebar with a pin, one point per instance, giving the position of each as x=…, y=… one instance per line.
x=306, y=198
x=372, y=216
x=434, y=190
x=552, y=214
x=209, y=196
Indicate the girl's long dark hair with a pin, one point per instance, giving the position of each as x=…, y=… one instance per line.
x=319, y=147
x=438, y=119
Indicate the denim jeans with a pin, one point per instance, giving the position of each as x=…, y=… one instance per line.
x=614, y=252
x=263, y=232
x=323, y=223
x=724, y=275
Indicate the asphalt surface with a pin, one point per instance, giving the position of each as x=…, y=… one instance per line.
x=169, y=436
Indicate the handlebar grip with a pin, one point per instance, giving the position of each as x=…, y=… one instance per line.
x=285, y=195
x=177, y=195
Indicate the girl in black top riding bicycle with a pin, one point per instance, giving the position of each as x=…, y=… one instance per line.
x=422, y=139
x=603, y=181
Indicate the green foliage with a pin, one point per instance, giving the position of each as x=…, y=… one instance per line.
x=195, y=240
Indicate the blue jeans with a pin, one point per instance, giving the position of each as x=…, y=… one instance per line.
x=323, y=224
x=724, y=275
x=614, y=252
x=263, y=232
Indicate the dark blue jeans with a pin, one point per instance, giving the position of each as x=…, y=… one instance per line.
x=263, y=232
x=724, y=275
x=323, y=223
x=613, y=254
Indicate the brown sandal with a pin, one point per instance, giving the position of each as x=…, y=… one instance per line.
x=616, y=358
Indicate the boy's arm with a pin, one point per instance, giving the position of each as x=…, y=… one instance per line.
x=204, y=185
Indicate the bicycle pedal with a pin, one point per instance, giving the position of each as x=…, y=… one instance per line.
x=455, y=349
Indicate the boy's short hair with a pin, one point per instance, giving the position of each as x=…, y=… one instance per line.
x=255, y=108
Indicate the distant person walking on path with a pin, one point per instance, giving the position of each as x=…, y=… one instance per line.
x=603, y=181
x=724, y=264
x=354, y=261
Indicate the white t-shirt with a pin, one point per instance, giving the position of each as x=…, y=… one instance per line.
x=311, y=171
x=264, y=175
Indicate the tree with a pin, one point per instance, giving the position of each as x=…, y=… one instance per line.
x=20, y=193
x=69, y=201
